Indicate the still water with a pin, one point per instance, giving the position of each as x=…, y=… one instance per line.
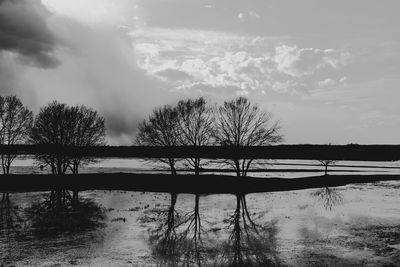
x=354, y=225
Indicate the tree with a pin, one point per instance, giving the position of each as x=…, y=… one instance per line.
x=89, y=130
x=241, y=123
x=54, y=125
x=195, y=126
x=59, y=124
x=326, y=163
x=15, y=124
x=160, y=130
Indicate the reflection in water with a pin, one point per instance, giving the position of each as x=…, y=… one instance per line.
x=249, y=243
x=329, y=197
x=54, y=215
x=11, y=227
x=10, y=219
x=183, y=240
x=29, y=235
x=164, y=238
x=193, y=243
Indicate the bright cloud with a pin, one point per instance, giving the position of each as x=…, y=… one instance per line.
x=298, y=62
x=246, y=64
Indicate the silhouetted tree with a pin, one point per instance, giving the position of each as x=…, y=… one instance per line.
x=195, y=126
x=59, y=124
x=54, y=125
x=241, y=123
x=326, y=163
x=160, y=129
x=89, y=130
x=15, y=125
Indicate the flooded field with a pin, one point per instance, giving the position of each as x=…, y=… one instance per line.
x=354, y=225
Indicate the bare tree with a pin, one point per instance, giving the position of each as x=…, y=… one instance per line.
x=59, y=124
x=241, y=123
x=15, y=124
x=160, y=130
x=195, y=127
x=326, y=163
x=89, y=130
x=54, y=125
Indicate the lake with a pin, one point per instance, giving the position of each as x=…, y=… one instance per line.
x=353, y=225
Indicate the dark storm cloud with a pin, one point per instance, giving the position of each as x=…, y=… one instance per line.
x=24, y=30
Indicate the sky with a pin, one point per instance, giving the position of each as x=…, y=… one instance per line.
x=327, y=70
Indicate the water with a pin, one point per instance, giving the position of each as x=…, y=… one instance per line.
x=354, y=225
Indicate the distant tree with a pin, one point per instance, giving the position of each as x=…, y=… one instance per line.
x=326, y=163
x=15, y=124
x=160, y=129
x=195, y=126
x=241, y=123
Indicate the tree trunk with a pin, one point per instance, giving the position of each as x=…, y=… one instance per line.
x=75, y=192
x=172, y=166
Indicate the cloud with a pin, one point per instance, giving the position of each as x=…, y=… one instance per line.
x=289, y=86
x=25, y=32
x=174, y=75
x=98, y=69
x=241, y=17
x=247, y=64
x=298, y=62
x=327, y=82
x=249, y=15
x=343, y=79
x=254, y=14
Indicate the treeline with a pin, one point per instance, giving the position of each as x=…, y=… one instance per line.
x=191, y=122
x=194, y=123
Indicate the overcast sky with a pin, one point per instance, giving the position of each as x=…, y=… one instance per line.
x=329, y=71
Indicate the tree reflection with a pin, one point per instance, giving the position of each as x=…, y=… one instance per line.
x=249, y=243
x=196, y=246
x=177, y=239
x=164, y=238
x=329, y=197
x=10, y=219
x=51, y=216
x=183, y=240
